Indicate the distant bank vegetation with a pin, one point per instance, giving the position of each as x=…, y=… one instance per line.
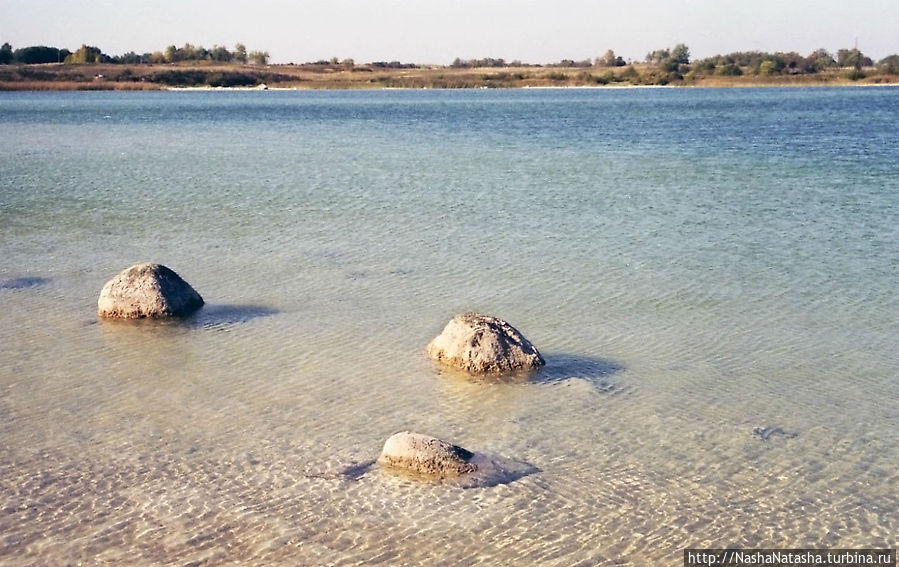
x=197, y=66
x=672, y=66
x=89, y=54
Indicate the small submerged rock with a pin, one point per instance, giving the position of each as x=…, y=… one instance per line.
x=147, y=291
x=23, y=283
x=218, y=316
x=766, y=433
x=432, y=459
x=425, y=456
x=481, y=344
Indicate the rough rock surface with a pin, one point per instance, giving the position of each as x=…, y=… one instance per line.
x=427, y=456
x=147, y=290
x=481, y=344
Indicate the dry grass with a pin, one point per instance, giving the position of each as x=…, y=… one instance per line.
x=76, y=86
x=204, y=73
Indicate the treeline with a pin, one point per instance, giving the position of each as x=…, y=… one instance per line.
x=659, y=67
x=32, y=55
x=89, y=54
x=680, y=53
x=672, y=65
x=791, y=63
x=487, y=62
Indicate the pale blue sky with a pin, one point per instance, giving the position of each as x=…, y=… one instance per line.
x=437, y=31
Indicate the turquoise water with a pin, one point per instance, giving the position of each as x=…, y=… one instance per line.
x=692, y=263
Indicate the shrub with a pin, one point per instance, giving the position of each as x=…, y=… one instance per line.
x=704, y=66
x=889, y=65
x=180, y=78
x=605, y=78
x=233, y=79
x=87, y=54
x=767, y=68
x=629, y=75
x=728, y=70
x=669, y=65
x=853, y=58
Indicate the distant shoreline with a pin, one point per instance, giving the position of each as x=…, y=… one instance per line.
x=528, y=88
x=208, y=76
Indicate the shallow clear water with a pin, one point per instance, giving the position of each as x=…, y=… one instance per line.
x=692, y=263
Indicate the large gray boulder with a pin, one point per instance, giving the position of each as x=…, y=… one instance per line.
x=425, y=456
x=481, y=344
x=147, y=290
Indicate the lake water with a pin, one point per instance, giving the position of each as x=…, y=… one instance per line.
x=693, y=264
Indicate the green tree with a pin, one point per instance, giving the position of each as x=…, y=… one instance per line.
x=188, y=52
x=36, y=54
x=221, y=54
x=240, y=53
x=669, y=65
x=728, y=70
x=259, y=57
x=767, y=68
x=853, y=58
x=681, y=54
x=889, y=65
x=793, y=62
x=670, y=61
x=130, y=58
x=609, y=60
x=87, y=54
x=769, y=64
x=656, y=57
x=6, y=54
x=822, y=59
x=171, y=54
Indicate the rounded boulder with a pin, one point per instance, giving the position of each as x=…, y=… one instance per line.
x=147, y=290
x=425, y=456
x=481, y=344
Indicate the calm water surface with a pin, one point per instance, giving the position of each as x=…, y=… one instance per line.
x=693, y=264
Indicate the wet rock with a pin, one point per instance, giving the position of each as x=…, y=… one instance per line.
x=426, y=456
x=766, y=433
x=481, y=344
x=147, y=290
x=427, y=459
